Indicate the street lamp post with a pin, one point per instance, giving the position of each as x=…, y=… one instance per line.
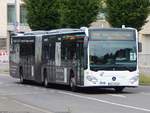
x=17, y=25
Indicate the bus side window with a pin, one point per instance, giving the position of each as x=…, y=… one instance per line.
x=52, y=51
x=27, y=49
x=72, y=50
x=64, y=52
x=46, y=54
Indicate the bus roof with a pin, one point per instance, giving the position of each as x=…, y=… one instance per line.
x=126, y=28
x=64, y=31
x=51, y=32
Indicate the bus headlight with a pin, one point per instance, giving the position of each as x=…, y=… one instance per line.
x=92, y=79
x=134, y=79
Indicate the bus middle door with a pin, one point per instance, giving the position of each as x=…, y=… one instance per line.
x=58, y=67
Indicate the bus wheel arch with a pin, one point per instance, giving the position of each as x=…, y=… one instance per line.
x=72, y=81
x=21, y=74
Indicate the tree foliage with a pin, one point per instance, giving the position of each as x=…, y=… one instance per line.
x=81, y=12
x=42, y=14
x=51, y=14
x=132, y=13
x=62, y=6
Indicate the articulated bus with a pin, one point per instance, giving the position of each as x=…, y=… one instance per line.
x=86, y=57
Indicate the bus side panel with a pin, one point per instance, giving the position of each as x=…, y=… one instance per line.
x=57, y=71
x=14, y=60
x=62, y=55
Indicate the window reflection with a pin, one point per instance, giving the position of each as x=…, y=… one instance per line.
x=110, y=53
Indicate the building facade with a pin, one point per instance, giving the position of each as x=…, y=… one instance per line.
x=12, y=18
x=144, y=56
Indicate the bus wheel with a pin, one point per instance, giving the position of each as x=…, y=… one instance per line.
x=45, y=79
x=21, y=76
x=73, y=84
x=119, y=89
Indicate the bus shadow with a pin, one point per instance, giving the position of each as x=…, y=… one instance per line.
x=101, y=91
x=90, y=91
x=50, y=86
x=29, y=83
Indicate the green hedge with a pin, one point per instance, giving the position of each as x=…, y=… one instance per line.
x=144, y=79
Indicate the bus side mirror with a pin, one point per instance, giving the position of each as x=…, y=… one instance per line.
x=139, y=47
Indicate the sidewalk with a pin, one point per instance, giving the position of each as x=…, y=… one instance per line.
x=4, y=68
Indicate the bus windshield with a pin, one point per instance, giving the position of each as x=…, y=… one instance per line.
x=112, y=55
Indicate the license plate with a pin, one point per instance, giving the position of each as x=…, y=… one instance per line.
x=113, y=83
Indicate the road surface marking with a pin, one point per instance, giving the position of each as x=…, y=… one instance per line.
x=117, y=95
x=4, y=75
x=4, y=98
x=15, y=94
x=143, y=93
x=106, y=102
x=32, y=107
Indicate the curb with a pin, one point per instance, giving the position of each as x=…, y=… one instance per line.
x=4, y=73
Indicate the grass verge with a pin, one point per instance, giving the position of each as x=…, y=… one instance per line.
x=144, y=79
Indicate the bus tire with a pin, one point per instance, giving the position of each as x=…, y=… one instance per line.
x=119, y=89
x=45, y=82
x=72, y=82
x=21, y=75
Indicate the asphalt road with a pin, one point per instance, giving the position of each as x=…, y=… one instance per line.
x=33, y=98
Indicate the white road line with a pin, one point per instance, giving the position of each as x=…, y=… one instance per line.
x=32, y=107
x=106, y=102
x=17, y=94
x=8, y=85
x=4, y=98
x=143, y=93
x=117, y=95
x=4, y=75
x=1, y=83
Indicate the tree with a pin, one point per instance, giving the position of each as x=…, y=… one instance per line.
x=42, y=14
x=62, y=6
x=131, y=13
x=80, y=13
x=51, y=14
